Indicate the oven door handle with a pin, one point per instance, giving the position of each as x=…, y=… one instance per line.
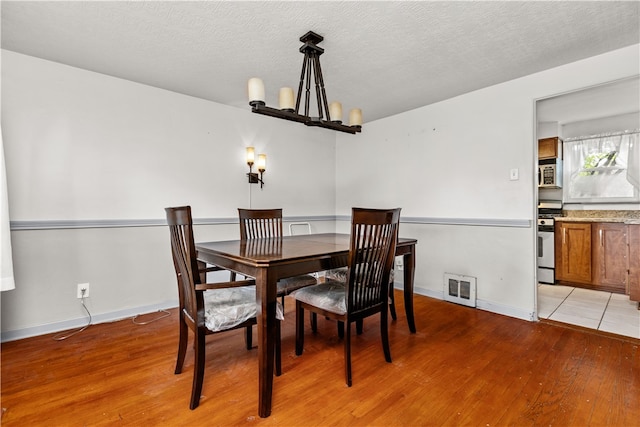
x=540, y=253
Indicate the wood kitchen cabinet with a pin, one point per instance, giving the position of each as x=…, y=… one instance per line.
x=550, y=148
x=599, y=255
x=634, y=262
x=573, y=252
x=609, y=243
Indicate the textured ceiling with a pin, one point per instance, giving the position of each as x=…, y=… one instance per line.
x=385, y=57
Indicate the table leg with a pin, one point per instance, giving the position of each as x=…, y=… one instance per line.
x=409, y=259
x=266, y=300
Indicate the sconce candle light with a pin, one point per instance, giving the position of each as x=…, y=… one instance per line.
x=262, y=166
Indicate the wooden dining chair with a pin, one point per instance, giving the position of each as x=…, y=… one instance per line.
x=374, y=233
x=207, y=308
x=267, y=223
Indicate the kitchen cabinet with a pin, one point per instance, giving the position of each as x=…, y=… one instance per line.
x=609, y=243
x=550, y=148
x=633, y=283
x=599, y=255
x=573, y=252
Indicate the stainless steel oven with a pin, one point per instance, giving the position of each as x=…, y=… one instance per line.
x=546, y=251
x=547, y=211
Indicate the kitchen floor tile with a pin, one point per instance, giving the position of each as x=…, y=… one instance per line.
x=617, y=316
x=556, y=291
x=575, y=319
x=604, y=311
x=593, y=310
x=580, y=294
x=626, y=329
x=623, y=302
x=550, y=297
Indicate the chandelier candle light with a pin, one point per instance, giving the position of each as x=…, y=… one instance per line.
x=329, y=115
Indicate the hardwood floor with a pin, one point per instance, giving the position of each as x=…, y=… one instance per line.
x=463, y=367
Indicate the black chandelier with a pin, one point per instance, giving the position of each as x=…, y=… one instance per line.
x=329, y=115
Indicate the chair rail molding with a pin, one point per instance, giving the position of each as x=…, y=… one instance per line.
x=121, y=223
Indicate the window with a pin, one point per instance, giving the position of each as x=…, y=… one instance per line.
x=602, y=168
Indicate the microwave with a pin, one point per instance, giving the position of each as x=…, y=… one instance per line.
x=550, y=173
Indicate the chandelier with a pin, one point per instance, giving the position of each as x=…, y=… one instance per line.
x=329, y=115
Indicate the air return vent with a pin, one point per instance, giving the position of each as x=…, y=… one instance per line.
x=460, y=289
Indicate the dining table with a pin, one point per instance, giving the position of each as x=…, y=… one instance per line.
x=271, y=259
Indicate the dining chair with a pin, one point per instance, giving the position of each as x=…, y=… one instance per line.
x=267, y=223
x=207, y=308
x=374, y=233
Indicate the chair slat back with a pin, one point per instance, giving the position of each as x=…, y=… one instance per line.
x=185, y=259
x=374, y=233
x=260, y=223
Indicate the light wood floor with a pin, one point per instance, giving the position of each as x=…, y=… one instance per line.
x=463, y=367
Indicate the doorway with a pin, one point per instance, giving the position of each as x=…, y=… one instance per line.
x=605, y=108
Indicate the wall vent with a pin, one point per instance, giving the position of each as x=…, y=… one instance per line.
x=460, y=289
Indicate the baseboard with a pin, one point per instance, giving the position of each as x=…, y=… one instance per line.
x=113, y=316
x=49, y=328
x=480, y=304
x=506, y=310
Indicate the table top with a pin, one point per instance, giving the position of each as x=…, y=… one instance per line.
x=271, y=250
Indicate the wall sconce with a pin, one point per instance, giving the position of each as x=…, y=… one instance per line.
x=262, y=166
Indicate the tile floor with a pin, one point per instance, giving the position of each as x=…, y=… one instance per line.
x=603, y=311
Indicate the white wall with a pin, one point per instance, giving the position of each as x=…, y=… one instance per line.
x=549, y=130
x=85, y=148
x=449, y=162
x=615, y=123
x=82, y=145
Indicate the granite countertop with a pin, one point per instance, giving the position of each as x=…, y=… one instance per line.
x=625, y=217
x=592, y=219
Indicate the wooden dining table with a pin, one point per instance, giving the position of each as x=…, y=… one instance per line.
x=269, y=260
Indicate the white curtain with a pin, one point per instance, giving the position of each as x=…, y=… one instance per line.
x=602, y=168
x=6, y=268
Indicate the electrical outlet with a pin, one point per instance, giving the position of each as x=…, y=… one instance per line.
x=400, y=263
x=83, y=287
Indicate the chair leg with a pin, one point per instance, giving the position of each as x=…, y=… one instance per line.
x=182, y=344
x=392, y=304
x=384, y=333
x=359, y=324
x=278, y=349
x=198, y=370
x=340, y=329
x=347, y=353
x=299, y=328
x=248, y=337
x=314, y=321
